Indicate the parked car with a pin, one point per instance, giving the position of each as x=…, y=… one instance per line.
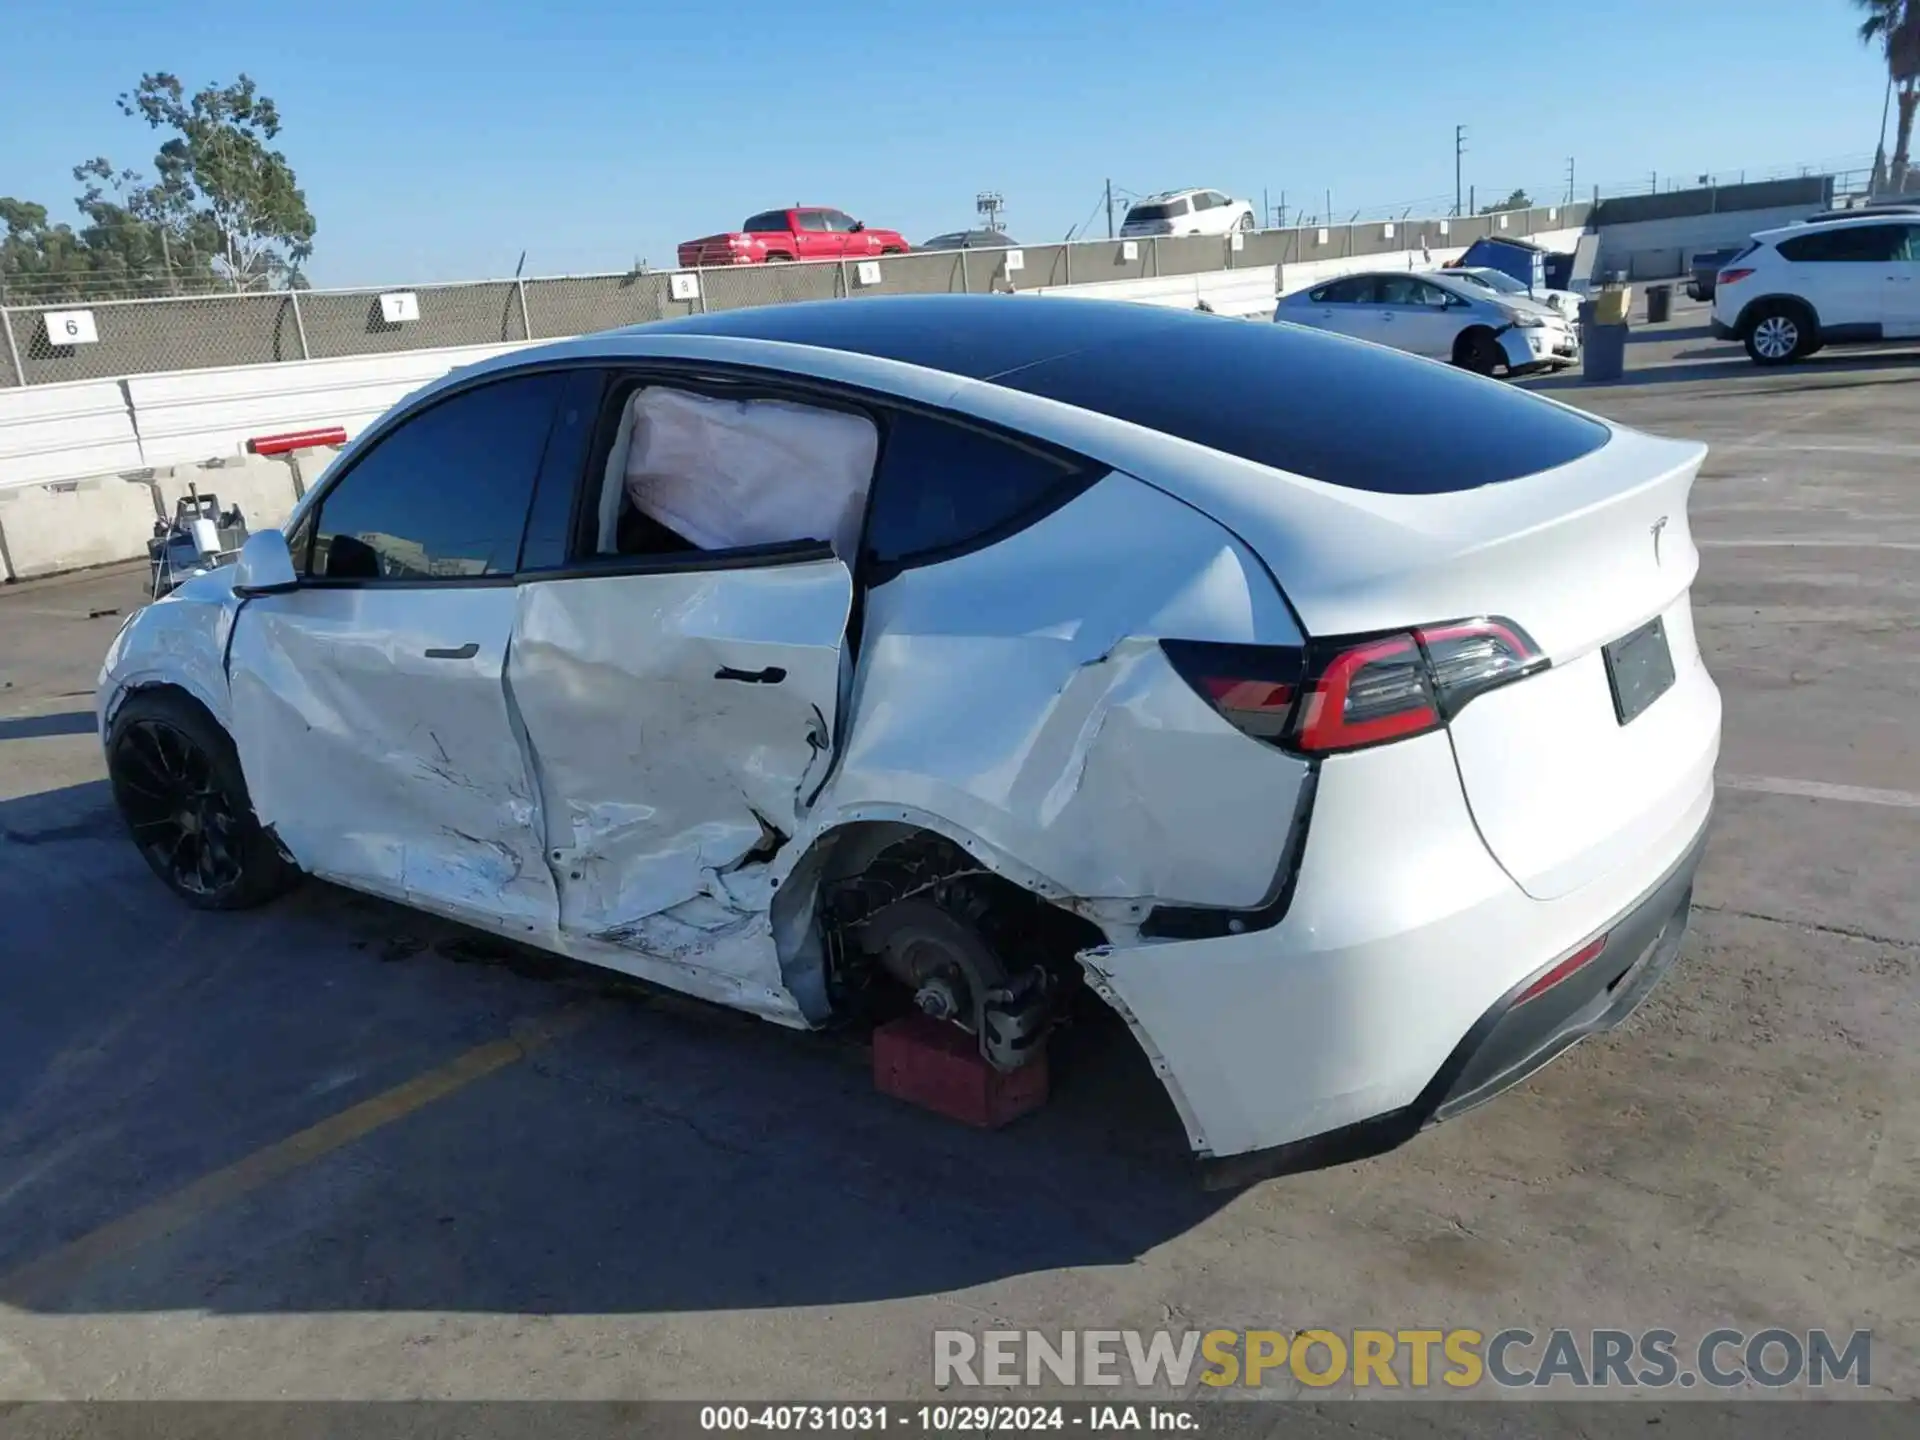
x=1705, y=267
x=1187, y=212
x=1793, y=290
x=806, y=232
x=641, y=648
x=1564, y=301
x=1439, y=316
x=971, y=240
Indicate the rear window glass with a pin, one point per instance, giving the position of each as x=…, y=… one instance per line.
x=766, y=221
x=1307, y=402
x=1162, y=211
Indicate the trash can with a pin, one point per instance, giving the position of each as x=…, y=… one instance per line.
x=1603, y=352
x=1659, y=304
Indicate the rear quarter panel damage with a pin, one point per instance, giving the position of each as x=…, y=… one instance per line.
x=1015, y=699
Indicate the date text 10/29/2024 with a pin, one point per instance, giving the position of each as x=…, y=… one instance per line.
x=949, y=1419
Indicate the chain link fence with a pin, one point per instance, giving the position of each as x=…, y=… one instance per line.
x=39, y=345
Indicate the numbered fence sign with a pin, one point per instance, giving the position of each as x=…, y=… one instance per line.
x=71, y=327
x=1016, y=260
x=869, y=272
x=684, y=286
x=399, y=307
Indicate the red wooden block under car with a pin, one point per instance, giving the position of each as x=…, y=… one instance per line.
x=938, y=1067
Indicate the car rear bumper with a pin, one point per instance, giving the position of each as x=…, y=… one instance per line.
x=1378, y=993
x=1515, y=1037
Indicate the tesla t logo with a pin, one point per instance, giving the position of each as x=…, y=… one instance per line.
x=1658, y=526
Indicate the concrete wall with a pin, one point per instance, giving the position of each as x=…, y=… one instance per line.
x=105, y=519
x=1661, y=249
x=269, y=331
x=45, y=529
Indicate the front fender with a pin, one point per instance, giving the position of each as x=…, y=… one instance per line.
x=180, y=641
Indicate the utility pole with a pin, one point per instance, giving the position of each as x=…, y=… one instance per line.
x=1569, y=180
x=1280, y=219
x=1459, y=149
x=1653, y=182
x=1109, y=209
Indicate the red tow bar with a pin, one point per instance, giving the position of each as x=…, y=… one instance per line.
x=296, y=440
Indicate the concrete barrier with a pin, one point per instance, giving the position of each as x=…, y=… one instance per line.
x=262, y=486
x=74, y=524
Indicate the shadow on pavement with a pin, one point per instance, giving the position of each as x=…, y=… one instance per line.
x=669, y=1156
x=1735, y=367
x=33, y=727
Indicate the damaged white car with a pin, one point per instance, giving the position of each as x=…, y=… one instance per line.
x=1335, y=714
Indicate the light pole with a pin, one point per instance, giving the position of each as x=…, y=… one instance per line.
x=989, y=204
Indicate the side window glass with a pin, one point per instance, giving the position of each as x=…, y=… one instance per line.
x=941, y=485
x=1203, y=201
x=767, y=223
x=1910, y=244
x=444, y=496
x=810, y=220
x=1430, y=295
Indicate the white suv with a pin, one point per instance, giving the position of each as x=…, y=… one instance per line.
x=1793, y=290
x=1187, y=212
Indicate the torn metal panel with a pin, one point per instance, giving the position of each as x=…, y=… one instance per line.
x=1017, y=694
x=678, y=722
x=382, y=753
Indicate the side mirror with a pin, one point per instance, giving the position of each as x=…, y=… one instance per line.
x=858, y=226
x=264, y=566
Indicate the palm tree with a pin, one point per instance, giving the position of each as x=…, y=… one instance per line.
x=1894, y=25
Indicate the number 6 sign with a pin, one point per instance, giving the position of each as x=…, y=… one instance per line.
x=71, y=327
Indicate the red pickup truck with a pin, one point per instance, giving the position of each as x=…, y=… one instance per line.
x=806, y=232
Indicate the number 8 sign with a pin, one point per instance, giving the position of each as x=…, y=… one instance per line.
x=71, y=327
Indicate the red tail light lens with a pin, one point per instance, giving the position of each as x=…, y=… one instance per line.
x=1346, y=695
x=1732, y=277
x=1376, y=691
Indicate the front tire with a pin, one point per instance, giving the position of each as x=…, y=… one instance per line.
x=177, y=781
x=1477, y=350
x=1778, y=333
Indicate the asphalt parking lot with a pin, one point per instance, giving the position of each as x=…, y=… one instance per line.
x=334, y=1150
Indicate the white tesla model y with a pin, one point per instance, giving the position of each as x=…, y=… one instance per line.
x=1336, y=715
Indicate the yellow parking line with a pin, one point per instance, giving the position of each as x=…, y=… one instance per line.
x=41, y=1280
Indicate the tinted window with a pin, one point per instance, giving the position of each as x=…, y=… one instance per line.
x=771, y=220
x=941, y=485
x=810, y=219
x=1304, y=401
x=1353, y=290
x=1400, y=290
x=838, y=220
x=444, y=496
x=1166, y=211
x=1855, y=244
x=1204, y=201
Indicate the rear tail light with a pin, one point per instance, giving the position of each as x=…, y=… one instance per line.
x=1731, y=277
x=1348, y=694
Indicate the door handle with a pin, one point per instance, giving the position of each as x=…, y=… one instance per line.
x=465, y=652
x=772, y=675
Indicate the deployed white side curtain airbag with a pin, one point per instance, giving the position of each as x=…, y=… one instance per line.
x=726, y=473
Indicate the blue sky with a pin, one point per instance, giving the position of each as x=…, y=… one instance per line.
x=436, y=140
